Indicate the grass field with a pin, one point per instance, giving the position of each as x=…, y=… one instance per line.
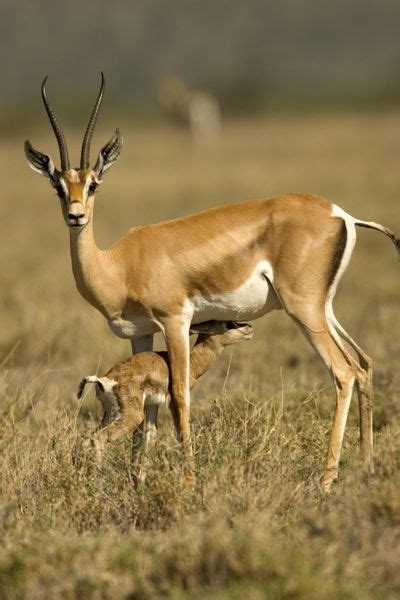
x=255, y=523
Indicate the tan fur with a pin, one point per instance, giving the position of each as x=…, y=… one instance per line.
x=206, y=253
x=143, y=381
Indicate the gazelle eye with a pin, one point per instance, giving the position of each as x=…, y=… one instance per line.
x=92, y=187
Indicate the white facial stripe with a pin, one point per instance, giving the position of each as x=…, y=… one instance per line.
x=64, y=187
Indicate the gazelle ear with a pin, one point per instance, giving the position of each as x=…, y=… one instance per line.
x=109, y=154
x=41, y=163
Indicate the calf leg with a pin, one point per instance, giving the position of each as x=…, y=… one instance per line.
x=149, y=438
x=128, y=422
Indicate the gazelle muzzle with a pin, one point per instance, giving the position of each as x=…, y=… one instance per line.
x=76, y=216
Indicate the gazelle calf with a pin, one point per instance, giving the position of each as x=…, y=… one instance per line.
x=132, y=391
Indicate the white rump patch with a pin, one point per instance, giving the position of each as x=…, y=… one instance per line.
x=339, y=212
x=107, y=395
x=350, y=243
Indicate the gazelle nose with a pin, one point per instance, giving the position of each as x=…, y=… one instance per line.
x=75, y=210
x=76, y=215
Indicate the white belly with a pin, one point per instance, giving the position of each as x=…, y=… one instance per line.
x=254, y=298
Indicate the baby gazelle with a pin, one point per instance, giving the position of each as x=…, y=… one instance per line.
x=132, y=390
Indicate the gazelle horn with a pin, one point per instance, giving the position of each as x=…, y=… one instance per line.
x=85, y=152
x=62, y=144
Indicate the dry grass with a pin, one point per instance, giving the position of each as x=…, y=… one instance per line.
x=255, y=523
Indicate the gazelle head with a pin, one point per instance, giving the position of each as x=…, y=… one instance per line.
x=225, y=332
x=75, y=187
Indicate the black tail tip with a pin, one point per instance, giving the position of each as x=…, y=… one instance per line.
x=81, y=388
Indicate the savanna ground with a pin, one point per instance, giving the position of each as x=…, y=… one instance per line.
x=255, y=523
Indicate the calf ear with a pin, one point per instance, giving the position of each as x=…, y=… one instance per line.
x=41, y=163
x=208, y=327
x=109, y=154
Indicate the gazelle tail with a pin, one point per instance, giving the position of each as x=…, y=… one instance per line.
x=385, y=230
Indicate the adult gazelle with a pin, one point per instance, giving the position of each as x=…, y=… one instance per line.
x=231, y=263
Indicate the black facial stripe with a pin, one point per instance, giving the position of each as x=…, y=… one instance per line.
x=59, y=189
x=93, y=186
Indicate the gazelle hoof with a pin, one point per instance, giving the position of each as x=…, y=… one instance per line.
x=190, y=478
x=328, y=478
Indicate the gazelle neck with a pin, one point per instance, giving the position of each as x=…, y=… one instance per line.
x=84, y=251
x=203, y=354
x=91, y=268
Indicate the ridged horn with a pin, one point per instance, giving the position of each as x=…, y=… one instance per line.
x=85, y=152
x=62, y=144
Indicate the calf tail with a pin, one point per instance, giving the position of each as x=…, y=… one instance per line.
x=89, y=379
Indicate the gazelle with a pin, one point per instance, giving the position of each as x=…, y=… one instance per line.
x=233, y=262
x=132, y=391
x=196, y=110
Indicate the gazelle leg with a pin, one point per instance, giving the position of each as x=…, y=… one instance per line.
x=365, y=393
x=175, y=417
x=137, y=441
x=309, y=314
x=177, y=339
x=343, y=378
x=306, y=291
x=344, y=390
x=365, y=360
x=137, y=436
x=103, y=436
x=150, y=426
x=149, y=437
x=115, y=430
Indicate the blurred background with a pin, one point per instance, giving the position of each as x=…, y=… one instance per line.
x=253, y=56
